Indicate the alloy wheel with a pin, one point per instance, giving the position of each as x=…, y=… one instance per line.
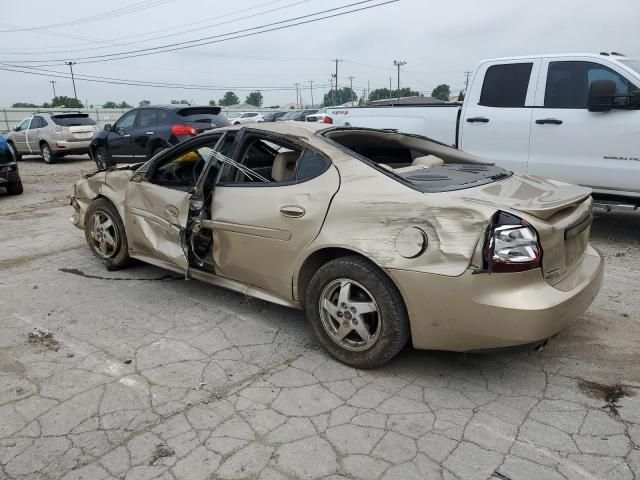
x=350, y=315
x=104, y=234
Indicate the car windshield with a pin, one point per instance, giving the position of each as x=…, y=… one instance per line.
x=290, y=115
x=73, y=120
x=234, y=115
x=632, y=64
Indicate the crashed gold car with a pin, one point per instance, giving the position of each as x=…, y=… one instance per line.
x=380, y=236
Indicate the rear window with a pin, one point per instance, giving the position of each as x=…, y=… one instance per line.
x=72, y=120
x=506, y=85
x=209, y=115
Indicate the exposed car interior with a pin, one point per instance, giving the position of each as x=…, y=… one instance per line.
x=399, y=152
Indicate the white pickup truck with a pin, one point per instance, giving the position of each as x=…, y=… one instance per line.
x=574, y=117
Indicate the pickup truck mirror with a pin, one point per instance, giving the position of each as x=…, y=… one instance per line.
x=107, y=127
x=634, y=99
x=602, y=93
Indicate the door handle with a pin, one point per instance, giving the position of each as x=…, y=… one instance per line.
x=292, y=211
x=171, y=210
x=150, y=133
x=127, y=135
x=478, y=119
x=552, y=121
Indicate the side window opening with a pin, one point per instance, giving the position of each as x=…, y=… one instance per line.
x=506, y=85
x=271, y=161
x=568, y=84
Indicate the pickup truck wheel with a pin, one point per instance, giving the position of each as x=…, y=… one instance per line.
x=356, y=312
x=16, y=154
x=15, y=188
x=47, y=154
x=105, y=234
x=101, y=157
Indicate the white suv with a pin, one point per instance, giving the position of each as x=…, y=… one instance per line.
x=239, y=118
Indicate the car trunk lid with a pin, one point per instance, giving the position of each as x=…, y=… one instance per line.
x=75, y=126
x=559, y=211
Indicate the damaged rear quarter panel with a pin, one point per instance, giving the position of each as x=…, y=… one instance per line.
x=371, y=209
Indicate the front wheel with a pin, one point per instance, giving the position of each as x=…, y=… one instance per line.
x=356, y=312
x=101, y=157
x=105, y=234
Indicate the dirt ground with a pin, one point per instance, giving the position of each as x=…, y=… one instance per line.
x=139, y=374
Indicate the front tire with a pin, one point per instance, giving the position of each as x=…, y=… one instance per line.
x=105, y=234
x=101, y=157
x=356, y=312
x=47, y=154
x=15, y=188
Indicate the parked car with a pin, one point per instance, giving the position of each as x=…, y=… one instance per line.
x=142, y=132
x=379, y=236
x=317, y=116
x=297, y=115
x=272, y=116
x=568, y=116
x=9, y=175
x=53, y=135
x=240, y=118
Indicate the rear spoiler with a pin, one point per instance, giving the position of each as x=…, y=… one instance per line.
x=70, y=115
x=199, y=110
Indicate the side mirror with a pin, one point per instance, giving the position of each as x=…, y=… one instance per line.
x=107, y=127
x=16, y=128
x=601, y=95
x=634, y=99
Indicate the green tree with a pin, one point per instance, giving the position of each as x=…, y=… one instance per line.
x=442, y=92
x=110, y=104
x=24, y=105
x=212, y=103
x=385, y=94
x=124, y=104
x=179, y=102
x=344, y=96
x=144, y=103
x=254, y=98
x=63, y=101
x=229, y=98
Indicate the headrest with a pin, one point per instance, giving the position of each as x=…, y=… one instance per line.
x=427, y=161
x=284, y=166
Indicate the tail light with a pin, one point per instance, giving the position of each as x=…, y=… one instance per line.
x=512, y=245
x=327, y=119
x=178, y=130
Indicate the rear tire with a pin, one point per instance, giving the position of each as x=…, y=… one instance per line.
x=356, y=312
x=48, y=155
x=15, y=188
x=13, y=148
x=105, y=234
x=101, y=157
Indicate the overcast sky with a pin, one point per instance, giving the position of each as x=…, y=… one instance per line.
x=438, y=40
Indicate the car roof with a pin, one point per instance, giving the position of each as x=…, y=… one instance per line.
x=299, y=129
x=604, y=55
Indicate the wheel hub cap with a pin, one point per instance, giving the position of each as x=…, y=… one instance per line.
x=104, y=235
x=350, y=315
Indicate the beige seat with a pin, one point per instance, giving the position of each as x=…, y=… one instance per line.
x=427, y=161
x=284, y=166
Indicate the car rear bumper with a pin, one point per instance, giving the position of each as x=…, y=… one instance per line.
x=487, y=311
x=75, y=147
x=9, y=174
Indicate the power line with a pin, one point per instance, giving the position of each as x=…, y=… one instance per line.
x=237, y=34
x=122, y=44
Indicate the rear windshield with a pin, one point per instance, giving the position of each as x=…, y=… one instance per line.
x=72, y=120
x=215, y=120
x=290, y=115
x=419, y=162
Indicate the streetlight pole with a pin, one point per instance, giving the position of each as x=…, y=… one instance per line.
x=337, y=60
x=53, y=85
x=297, y=95
x=73, y=80
x=311, y=84
x=399, y=63
x=351, y=88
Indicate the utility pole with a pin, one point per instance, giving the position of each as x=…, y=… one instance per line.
x=399, y=63
x=337, y=60
x=368, y=90
x=53, y=84
x=297, y=95
x=466, y=81
x=71, y=64
x=389, y=88
x=351, y=88
x=311, y=85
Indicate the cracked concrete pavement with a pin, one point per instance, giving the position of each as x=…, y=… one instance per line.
x=154, y=377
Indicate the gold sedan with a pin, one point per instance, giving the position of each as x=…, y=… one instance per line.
x=380, y=236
